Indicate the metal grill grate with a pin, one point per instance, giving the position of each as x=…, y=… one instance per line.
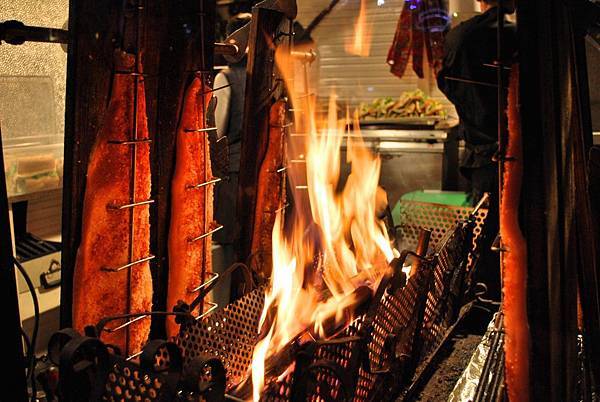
x=126, y=382
x=229, y=334
x=438, y=309
x=439, y=218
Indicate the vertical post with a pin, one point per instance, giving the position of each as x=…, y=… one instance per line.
x=13, y=380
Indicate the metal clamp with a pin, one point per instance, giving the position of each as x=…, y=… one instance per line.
x=122, y=267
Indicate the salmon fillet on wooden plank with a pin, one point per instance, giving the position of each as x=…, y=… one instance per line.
x=270, y=194
x=190, y=261
x=514, y=262
x=105, y=234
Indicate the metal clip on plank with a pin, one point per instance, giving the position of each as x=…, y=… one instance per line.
x=131, y=264
x=270, y=211
x=214, y=180
x=125, y=324
x=286, y=125
x=210, y=281
x=199, y=130
x=204, y=235
x=131, y=142
x=213, y=307
x=130, y=205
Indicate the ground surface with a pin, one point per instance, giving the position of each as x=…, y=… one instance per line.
x=449, y=370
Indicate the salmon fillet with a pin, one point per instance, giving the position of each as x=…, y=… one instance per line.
x=105, y=234
x=514, y=262
x=191, y=208
x=270, y=195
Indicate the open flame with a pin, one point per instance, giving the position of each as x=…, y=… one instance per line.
x=360, y=45
x=326, y=259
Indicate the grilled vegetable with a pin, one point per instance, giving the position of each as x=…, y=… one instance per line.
x=410, y=104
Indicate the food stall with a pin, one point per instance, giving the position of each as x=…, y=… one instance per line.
x=261, y=200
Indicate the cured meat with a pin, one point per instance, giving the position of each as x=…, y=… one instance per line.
x=105, y=234
x=399, y=52
x=435, y=26
x=421, y=23
x=270, y=195
x=514, y=261
x=191, y=205
x=418, y=39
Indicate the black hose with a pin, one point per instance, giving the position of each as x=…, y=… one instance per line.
x=36, y=326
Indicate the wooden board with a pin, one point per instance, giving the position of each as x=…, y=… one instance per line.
x=172, y=49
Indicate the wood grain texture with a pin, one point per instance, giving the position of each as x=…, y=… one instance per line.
x=270, y=191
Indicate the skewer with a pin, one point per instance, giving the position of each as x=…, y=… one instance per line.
x=214, y=277
x=125, y=325
x=286, y=125
x=130, y=142
x=214, y=180
x=216, y=89
x=204, y=235
x=213, y=307
x=267, y=211
x=133, y=356
x=278, y=170
x=128, y=265
x=200, y=130
x=130, y=205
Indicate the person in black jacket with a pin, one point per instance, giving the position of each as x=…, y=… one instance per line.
x=470, y=53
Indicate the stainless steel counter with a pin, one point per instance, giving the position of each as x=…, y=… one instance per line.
x=411, y=159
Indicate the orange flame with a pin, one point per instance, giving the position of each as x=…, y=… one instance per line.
x=361, y=41
x=326, y=254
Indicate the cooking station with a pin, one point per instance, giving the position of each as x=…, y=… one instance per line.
x=347, y=284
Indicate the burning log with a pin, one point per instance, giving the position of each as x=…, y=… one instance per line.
x=331, y=324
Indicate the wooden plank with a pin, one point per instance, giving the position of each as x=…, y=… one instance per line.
x=181, y=53
x=259, y=98
x=172, y=47
x=556, y=219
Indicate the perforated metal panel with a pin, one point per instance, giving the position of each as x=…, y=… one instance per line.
x=127, y=382
x=397, y=312
x=229, y=334
x=439, y=218
x=438, y=310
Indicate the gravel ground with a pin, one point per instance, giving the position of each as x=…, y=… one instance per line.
x=447, y=372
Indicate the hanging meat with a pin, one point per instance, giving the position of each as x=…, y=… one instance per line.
x=421, y=27
x=191, y=204
x=104, y=284
x=270, y=197
x=514, y=260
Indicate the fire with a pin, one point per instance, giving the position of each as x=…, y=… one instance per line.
x=361, y=41
x=333, y=253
